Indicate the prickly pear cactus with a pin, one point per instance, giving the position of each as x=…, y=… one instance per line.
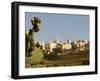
x=33, y=54
x=36, y=57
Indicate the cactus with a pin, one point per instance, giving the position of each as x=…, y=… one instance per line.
x=33, y=54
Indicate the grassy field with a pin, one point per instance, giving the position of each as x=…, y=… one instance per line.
x=77, y=59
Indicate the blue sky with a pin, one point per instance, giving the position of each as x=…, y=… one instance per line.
x=61, y=26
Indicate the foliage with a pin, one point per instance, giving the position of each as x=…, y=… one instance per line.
x=36, y=57
x=52, y=55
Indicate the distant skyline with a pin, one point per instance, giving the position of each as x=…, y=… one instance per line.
x=61, y=26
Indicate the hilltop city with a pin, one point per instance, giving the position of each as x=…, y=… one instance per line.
x=66, y=47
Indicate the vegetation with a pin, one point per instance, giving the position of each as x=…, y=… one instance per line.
x=53, y=60
x=36, y=57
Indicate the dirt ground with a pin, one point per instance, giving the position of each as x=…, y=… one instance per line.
x=77, y=59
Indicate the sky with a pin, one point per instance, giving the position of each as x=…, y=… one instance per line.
x=60, y=26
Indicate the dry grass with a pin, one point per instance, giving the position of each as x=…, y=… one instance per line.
x=77, y=59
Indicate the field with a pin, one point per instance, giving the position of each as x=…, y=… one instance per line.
x=74, y=59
